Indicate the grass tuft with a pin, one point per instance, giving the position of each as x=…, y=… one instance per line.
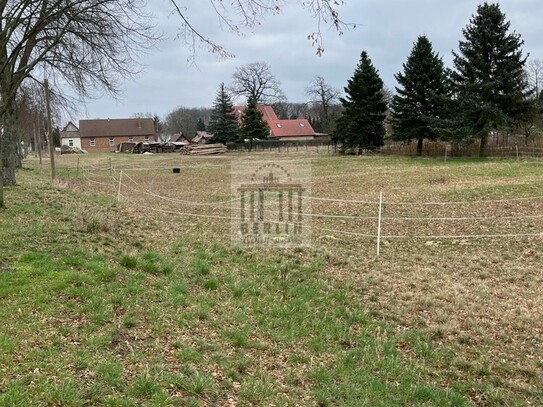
x=130, y=262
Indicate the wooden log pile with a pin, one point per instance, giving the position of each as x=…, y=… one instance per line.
x=204, y=149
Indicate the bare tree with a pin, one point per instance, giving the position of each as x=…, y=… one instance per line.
x=289, y=110
x=323, y=95
x=185, y=120
x=530, y=120
x=90, y=44
x=84, y=44
x=30, y=119
x=534, y=74
x=256, y=80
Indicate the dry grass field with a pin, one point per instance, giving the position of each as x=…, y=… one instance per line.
x=449, y=313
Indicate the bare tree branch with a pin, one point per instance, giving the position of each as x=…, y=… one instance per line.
x=534, y=73
x=250, y=14
x=256, y=80
x=321, y=94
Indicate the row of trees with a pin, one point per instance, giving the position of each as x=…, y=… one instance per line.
x=487, y=91
x=255, y=80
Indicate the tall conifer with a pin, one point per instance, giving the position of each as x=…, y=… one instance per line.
x=223, y=124
x=253, y=125
x=420, y=104
x=489, y=75
x=361, y=124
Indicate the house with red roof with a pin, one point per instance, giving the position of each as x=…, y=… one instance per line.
x=293, y=130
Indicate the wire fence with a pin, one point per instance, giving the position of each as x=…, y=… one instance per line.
x=378, y=220
x=498, y=149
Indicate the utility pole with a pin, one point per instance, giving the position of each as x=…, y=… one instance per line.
x=50, y=129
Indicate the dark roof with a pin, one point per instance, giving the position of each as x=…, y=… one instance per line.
x=117, y=127
x=178, y=138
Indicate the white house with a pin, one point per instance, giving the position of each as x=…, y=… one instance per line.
x=69, y=136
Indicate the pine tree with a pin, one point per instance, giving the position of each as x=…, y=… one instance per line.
x=200, y=125
x=253, y=125
x=361, y=124
x=420, y=104
x=223, y=124
x=488, y=75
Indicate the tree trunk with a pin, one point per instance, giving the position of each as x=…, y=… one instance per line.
x=420, y=143
x=8, y=150
x=2, y=205
x=483, y=145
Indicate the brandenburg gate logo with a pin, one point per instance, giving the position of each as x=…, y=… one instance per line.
x=271, y=208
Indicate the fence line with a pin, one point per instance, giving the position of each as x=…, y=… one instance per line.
x=436, y=237
x=336, y=216
x=385, y=203
x=363, y=202
x=378, y=235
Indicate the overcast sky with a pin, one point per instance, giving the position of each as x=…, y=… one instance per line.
x=386, y=29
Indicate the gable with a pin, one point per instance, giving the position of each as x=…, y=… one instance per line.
x=70, y=131
x=70, y=127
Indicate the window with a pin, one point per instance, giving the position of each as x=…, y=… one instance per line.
x=279, y=125
x=130, y=139
x=301, y=125
x=146, y=140
x=111, y=141
x=93, y=142
x=70, y=143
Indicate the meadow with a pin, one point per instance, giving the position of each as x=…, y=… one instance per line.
x=120, y=285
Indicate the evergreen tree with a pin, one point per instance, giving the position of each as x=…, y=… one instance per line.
x=488, y=75
x=223, y=124
x=361, y=123
x=420, y=104
x=200, y=125
x=253, y=125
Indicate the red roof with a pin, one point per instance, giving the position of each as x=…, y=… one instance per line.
x=268, y=114
x=116, y=127
x=291, y=128
x=281, y=128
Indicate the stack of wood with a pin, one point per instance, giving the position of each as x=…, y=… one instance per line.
x=203, y=149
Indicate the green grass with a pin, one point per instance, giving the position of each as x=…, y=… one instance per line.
x=145, y=309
